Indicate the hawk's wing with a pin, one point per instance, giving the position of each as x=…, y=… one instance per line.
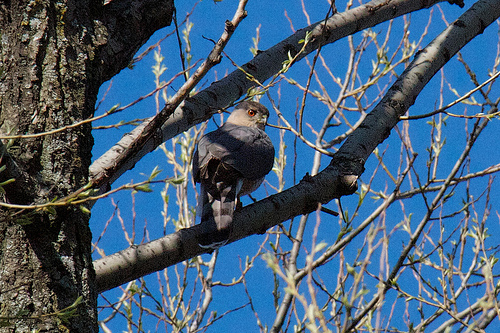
x=228, y=159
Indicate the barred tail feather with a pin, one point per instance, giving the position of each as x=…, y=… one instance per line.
x=217, y=217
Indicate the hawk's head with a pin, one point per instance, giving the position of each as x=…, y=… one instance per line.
x=249, y=113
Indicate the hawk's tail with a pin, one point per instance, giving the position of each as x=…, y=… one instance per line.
x=216, y=217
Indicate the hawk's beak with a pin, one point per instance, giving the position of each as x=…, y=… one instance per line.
x=262, y=119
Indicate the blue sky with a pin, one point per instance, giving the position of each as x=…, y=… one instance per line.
x=208, y=18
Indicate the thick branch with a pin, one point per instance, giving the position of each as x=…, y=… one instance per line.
x=266, y=64
x=129, y=23
x=335, y=181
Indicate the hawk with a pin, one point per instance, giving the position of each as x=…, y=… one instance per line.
x=230, y=162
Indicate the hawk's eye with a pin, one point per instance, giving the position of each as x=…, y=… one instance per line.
x=251, y=113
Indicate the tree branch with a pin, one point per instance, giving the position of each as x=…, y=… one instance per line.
x=132, y=23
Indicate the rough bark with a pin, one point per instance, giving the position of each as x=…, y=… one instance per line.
x=53, y=58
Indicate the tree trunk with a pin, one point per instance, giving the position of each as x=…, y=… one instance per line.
x=53, y=58
x=45, y=261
